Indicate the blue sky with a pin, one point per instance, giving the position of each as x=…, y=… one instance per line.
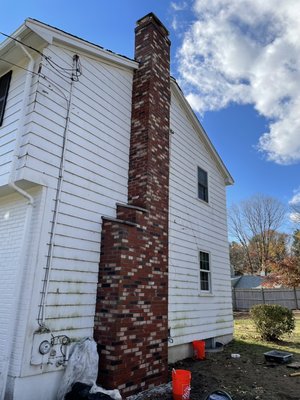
x=238, y=62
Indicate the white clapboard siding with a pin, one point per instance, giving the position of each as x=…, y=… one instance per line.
x=9, y=126
x=59, y=275
x=94, y=180
x=73, y=311
x=196, y=314
x=69, y=323
x=84, y=266
x=196, y=226
x=68, y=299
x=188, y=335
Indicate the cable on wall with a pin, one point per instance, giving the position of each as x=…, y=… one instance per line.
x=45, y=290
x=51, y=62
x=76, y=72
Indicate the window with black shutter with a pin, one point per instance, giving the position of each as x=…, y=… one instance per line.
x=4, y=86
x=202, y=185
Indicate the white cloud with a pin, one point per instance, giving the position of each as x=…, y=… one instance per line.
x=174, y=23
x=179, y=6
x=295, y=206
x=295, y=200
x=247, y=52
x=294, y=217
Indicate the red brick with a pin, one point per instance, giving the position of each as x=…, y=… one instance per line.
x=135, y=312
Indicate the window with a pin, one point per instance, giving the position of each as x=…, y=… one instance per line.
x=4, y=86
x=205, y=282
x=202, y=185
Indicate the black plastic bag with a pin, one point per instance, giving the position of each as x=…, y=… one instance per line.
x=81, y=391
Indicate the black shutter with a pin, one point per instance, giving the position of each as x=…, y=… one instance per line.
x=4, y=86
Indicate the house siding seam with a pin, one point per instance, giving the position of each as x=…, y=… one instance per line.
x=131, y=324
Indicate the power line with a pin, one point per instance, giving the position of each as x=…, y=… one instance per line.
x=19, y=66
x=49, y=80
x=51, y=62
x=20, y=42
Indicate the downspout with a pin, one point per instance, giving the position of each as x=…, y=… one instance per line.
x=22, y=259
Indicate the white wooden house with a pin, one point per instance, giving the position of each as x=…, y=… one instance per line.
x=65, y=115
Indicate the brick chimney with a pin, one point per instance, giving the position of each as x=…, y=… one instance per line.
x=131, y=323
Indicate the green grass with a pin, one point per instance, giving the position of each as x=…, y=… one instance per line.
x=246, y=337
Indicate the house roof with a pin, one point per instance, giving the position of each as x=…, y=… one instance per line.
x=49, y=34
x=249, y=282
x=199, y=128
x=36, y=34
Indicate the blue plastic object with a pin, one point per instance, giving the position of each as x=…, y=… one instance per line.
x=218, y=395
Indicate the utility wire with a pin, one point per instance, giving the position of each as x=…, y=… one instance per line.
x=51, y=62
x=49, y=80
x=58, y=73
x=20, y=42
x=19, y=66
x=75, y=75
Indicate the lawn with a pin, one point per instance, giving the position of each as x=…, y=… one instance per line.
x=245, y=334
x=248, y=377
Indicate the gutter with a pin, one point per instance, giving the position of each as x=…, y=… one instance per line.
x=20, y=276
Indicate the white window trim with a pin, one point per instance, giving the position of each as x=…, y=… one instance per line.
x=208, y=186
x=201, y=291
x=8, y=76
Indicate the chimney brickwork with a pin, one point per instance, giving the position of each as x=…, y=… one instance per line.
x=131, y=323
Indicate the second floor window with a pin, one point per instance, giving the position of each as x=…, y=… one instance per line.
x=202, y=185
x=4, y=86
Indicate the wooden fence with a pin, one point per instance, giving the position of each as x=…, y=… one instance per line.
x=244, y=299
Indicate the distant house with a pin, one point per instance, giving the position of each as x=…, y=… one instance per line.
x=247, y=281
x=112, y=213
x=270, y=281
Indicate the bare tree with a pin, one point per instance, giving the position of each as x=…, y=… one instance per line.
x=255, y=223
x=237, y=258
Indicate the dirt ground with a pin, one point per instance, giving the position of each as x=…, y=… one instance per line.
x=249, y=377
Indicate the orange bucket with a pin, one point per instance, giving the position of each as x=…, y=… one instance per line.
x=181, y=382
x=199, y=349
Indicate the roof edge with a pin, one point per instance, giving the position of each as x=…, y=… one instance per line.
x=15, y=34
x=227, y=176
x=50, y=34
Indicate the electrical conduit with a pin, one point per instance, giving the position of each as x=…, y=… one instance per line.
x=42, y=313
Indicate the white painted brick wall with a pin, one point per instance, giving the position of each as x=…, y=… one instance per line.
x=12, y=217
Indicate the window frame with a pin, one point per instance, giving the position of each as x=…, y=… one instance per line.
x=3, y=100
x=203, y=185
x=205, y=271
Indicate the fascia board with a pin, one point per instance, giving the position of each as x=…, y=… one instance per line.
x=201, y=132
x=51, y=35
x=8, y=41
